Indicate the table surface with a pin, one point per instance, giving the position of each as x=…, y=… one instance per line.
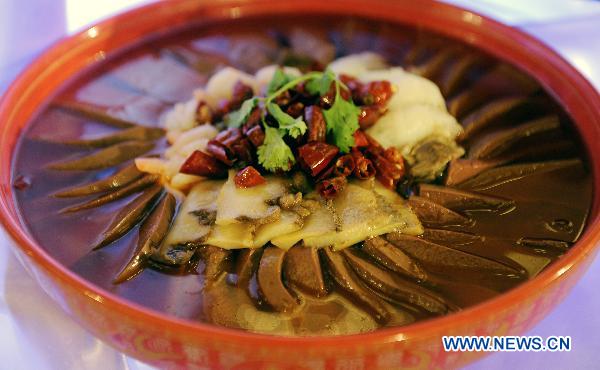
x=36, y=334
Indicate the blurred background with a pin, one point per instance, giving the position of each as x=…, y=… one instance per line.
x=36, y=334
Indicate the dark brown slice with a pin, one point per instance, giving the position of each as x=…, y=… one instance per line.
x=92, y=112
x=434, y=215
x=138, y=133
x=393, y=258
x=458, y=73
x=302, y=269
x=437, y=255
x=105, y=158
x=152, y=232
x=450, y=237
x=557, y=245
x=120, y=193
x=396, y=289
x=270, y=284
x=461, y=200
x=129, y=216
x=215, y=260
x=349, y=283
x=500, y=175
x=497, y=142
x=503, y=80
x=496, y=112
x=435, y=64
x=120, y=179
x=203, y=63
x=246, y=265
x=459, y=170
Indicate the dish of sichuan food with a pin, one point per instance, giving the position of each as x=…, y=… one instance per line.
x=312, y=177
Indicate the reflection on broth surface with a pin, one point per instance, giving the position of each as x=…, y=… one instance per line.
x=489, y=204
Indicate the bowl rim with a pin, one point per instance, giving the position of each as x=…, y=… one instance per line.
x=537, y=50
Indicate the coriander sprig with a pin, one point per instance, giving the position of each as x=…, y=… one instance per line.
x=341, y=119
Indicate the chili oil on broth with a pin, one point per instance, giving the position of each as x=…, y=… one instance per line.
x=143, y=83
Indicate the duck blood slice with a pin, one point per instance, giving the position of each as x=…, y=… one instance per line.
x=495, y=143
x=501, y=175
x=435, y=64
x=206, y=64
x=121, y=178
x=104, y=158
x=460, y=72
x=151, y=234
x=270, y=284
x=495, y=112
x=461, y=200
x=432, y=214
x=394, y=288
x=302, y=268
x=450, y=237
x=349, y=283
x=246, y=265
x=503, y=80
x=216, y=261
x=92, y=112
x=393, y=258
x=129, y=216
x=545, y=244
x=437, y=255
x=459, y=170
x=140, y=133
x=133, y=187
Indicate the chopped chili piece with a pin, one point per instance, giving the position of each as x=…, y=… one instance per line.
x=344, y=166
x=202, y=164
x=317, y=127
x=364, y=168
x=329, y=188
x=248, y=177
x=368, y=116
x=314, y=157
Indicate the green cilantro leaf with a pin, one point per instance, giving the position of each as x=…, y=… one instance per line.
x=320, y=86
x=342, y=122
x=239, y=117
x=279, y=79
x=293, y=126
x=274, y=154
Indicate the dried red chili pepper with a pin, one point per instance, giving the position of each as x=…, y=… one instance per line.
x=202, y=164
x=252, y=121
x=344, y=165
x=220, y=152
x=374, y=147
x=317, y=127
x=360, y=139
x=388, y=173
x=248, y=177
x=376, y=93
x=240, y=93
x=256, y=135
x=243, y=151
x=327, y=100
x=329, y=188
x=368, y=116
x=364, y=168
x=295, y=109
x=314, y=157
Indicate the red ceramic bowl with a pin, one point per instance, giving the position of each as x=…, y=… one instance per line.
x=168, y=342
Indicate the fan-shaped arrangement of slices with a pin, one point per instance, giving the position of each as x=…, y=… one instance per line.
x=491, y=219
